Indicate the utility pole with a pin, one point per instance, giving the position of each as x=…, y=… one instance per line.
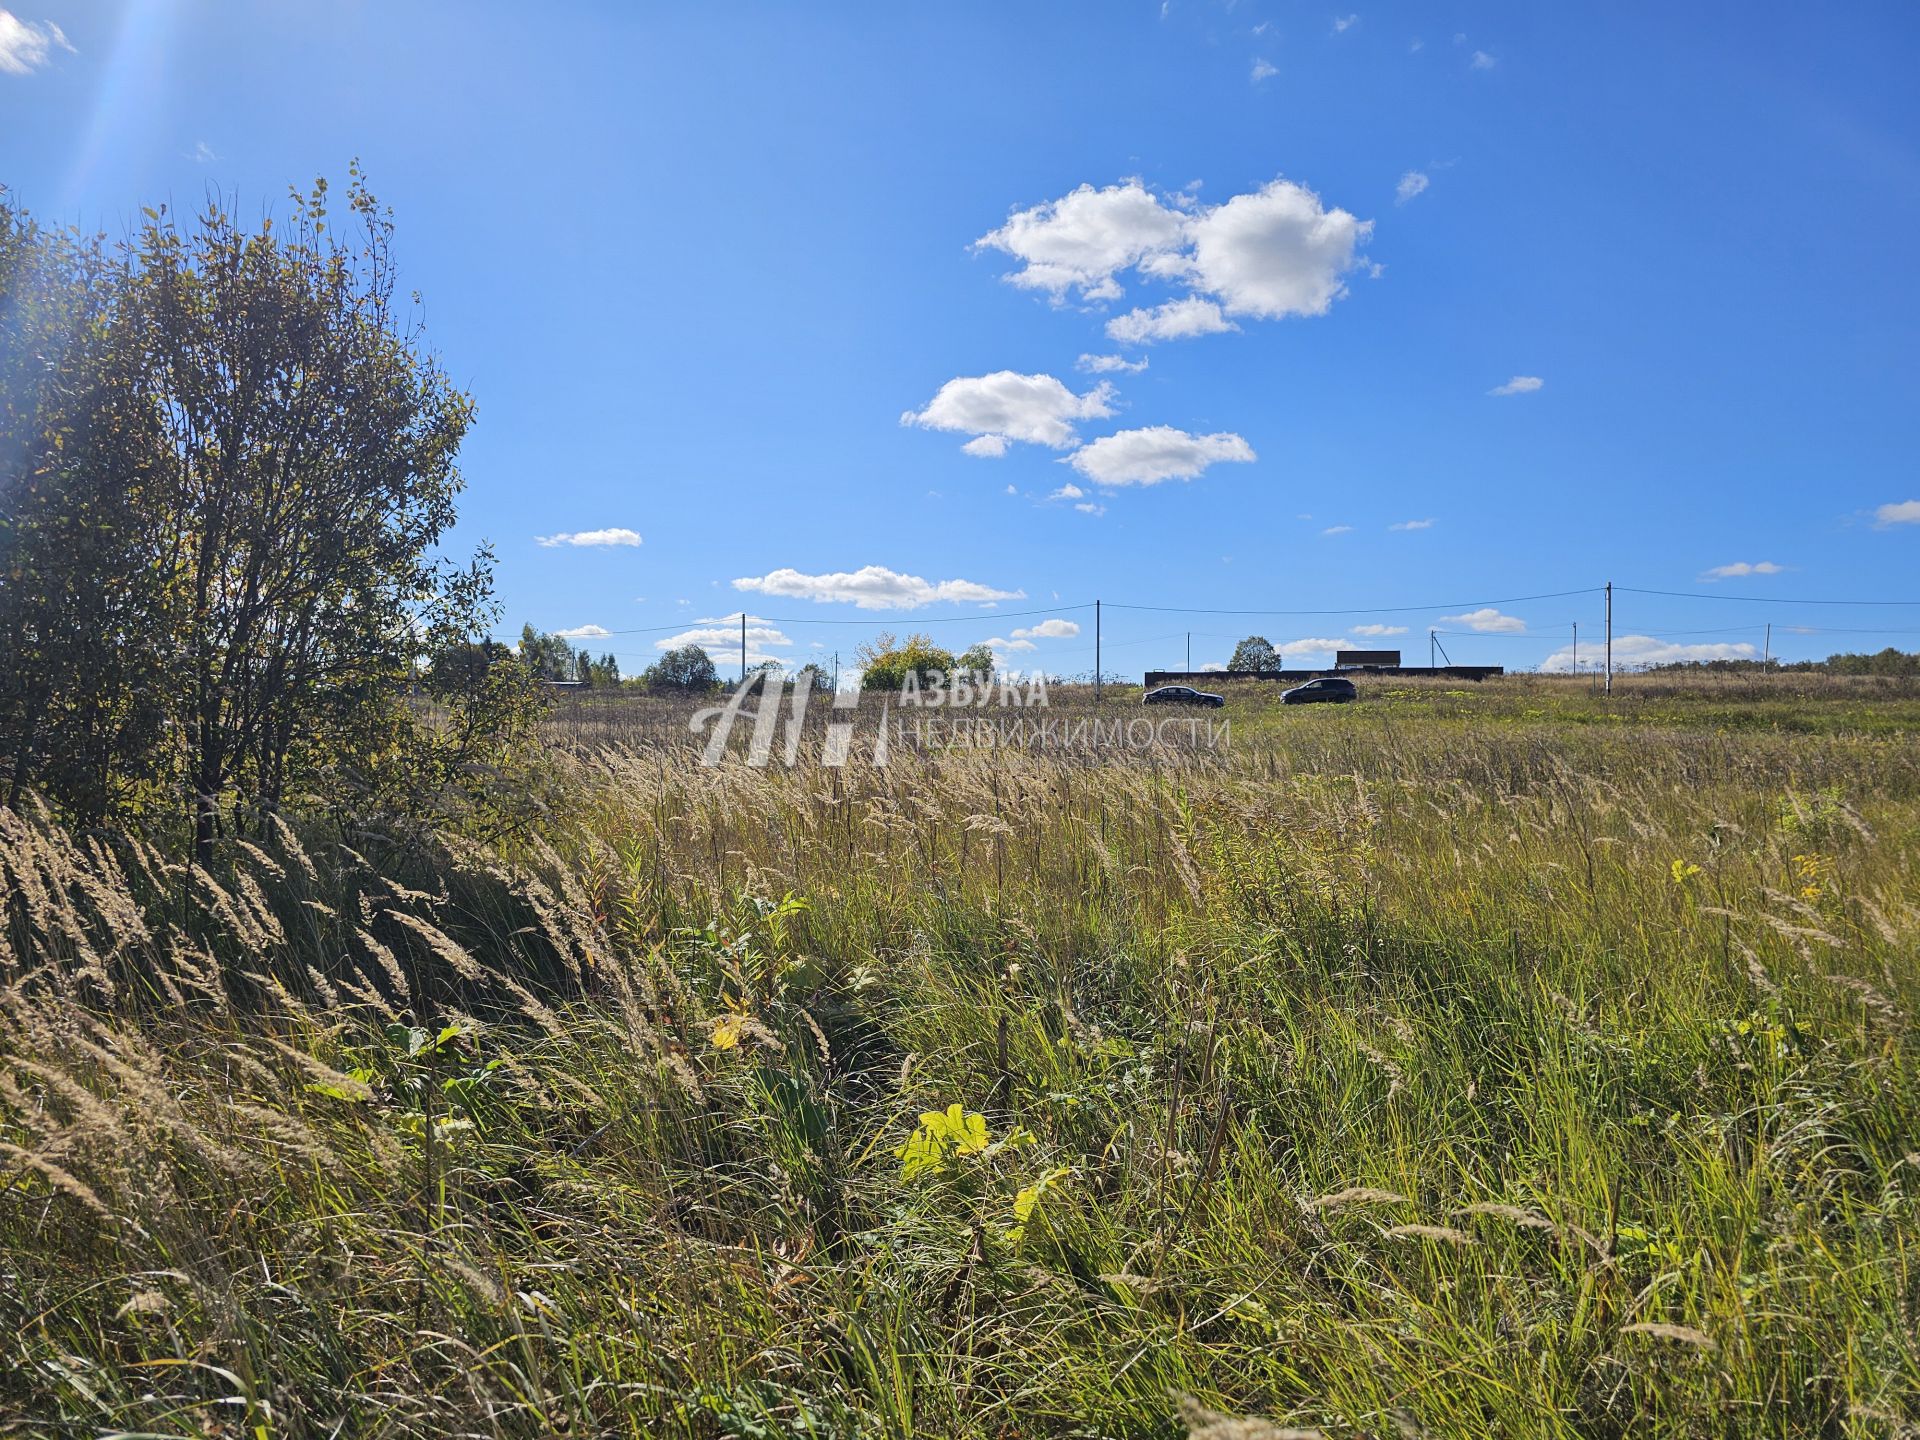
x=1431, y=642
x=1096, y=652
x=743, y=647
x=1189, y=652
x=1609, y=682
x=836, y=670
x=1766, y=655
x=1576, y=649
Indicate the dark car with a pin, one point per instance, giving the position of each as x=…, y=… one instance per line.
x=1327, y=690
x=1183, y=695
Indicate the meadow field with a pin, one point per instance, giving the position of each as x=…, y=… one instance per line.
x=1478, y=1060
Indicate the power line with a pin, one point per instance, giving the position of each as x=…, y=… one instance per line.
x=1756, y=599
x=1360, y=609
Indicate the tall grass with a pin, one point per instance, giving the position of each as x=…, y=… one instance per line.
x=1414, y=1070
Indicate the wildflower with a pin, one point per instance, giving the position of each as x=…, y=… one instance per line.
x=1683, y=871
x=727, y=1030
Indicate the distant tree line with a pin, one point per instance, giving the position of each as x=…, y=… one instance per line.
x=1881, y=662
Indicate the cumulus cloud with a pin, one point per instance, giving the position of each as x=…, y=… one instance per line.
x=1082, y=240
x=1001, y=644
x=1338, y=530
x=1175, y=320
x=1274, y=252
x=1742, y=568
x=1344, y=23
x=25, y=45
x=1900, y=512
x=1518, y=385
x=1482, y=61
x=1262, y=70
x=584, y=632
x=872, y=587
x=1375, y=631
x=1411, y=525
x=616, y=535
x=986, y=447
x=1311, y=645
x=1269, y=253
x=1088, y=507
x=1068, y=491
x=1054, y=629
x=1635, y=651
x=1156, y=453
x=1411, y=184
x=1112, y=364
x=1006, y=406
x=1488, y=621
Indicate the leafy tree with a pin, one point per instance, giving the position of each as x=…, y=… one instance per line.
x=886, y=662
x=548, y=657
x=813, y=677
x=309, y=465
x=977, y=663
x=85, y=653
x=227, y=464
x=463, y=663
x=1254, y=653
x=687, y=671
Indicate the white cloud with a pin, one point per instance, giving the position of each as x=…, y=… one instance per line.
x=1338, y=530
x=872, y=587
x=1112, y=364
x=1375, y=631
x=1634, y=651
x=617, y=535
x=1007, y=406
x=998, y=643
x=1081, y=240
x=1901, y=512
x=1088, y=507
x=1054, y=629
x=1741, y=568
x=1068, y=491
x=1411, y=184
x=1312, y=645
x=1411, y=525
x=1263, y=71
x=1175, y=320
x=986, y=447
x=1344, y=23
x=202, y=153
x=584, y=632
x=1518, y=385
x=1482, y=61
x=1275, y=252
x=25, y=46
x=1488, y=621
x=1156, y=453
x=1272, y=252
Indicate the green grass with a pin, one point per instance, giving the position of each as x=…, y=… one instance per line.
x=1393, y=1073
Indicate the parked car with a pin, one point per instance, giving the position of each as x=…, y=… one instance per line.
x=1183, y=695
x=1327, y=690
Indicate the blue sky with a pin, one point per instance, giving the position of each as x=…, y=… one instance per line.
x=701, y=266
